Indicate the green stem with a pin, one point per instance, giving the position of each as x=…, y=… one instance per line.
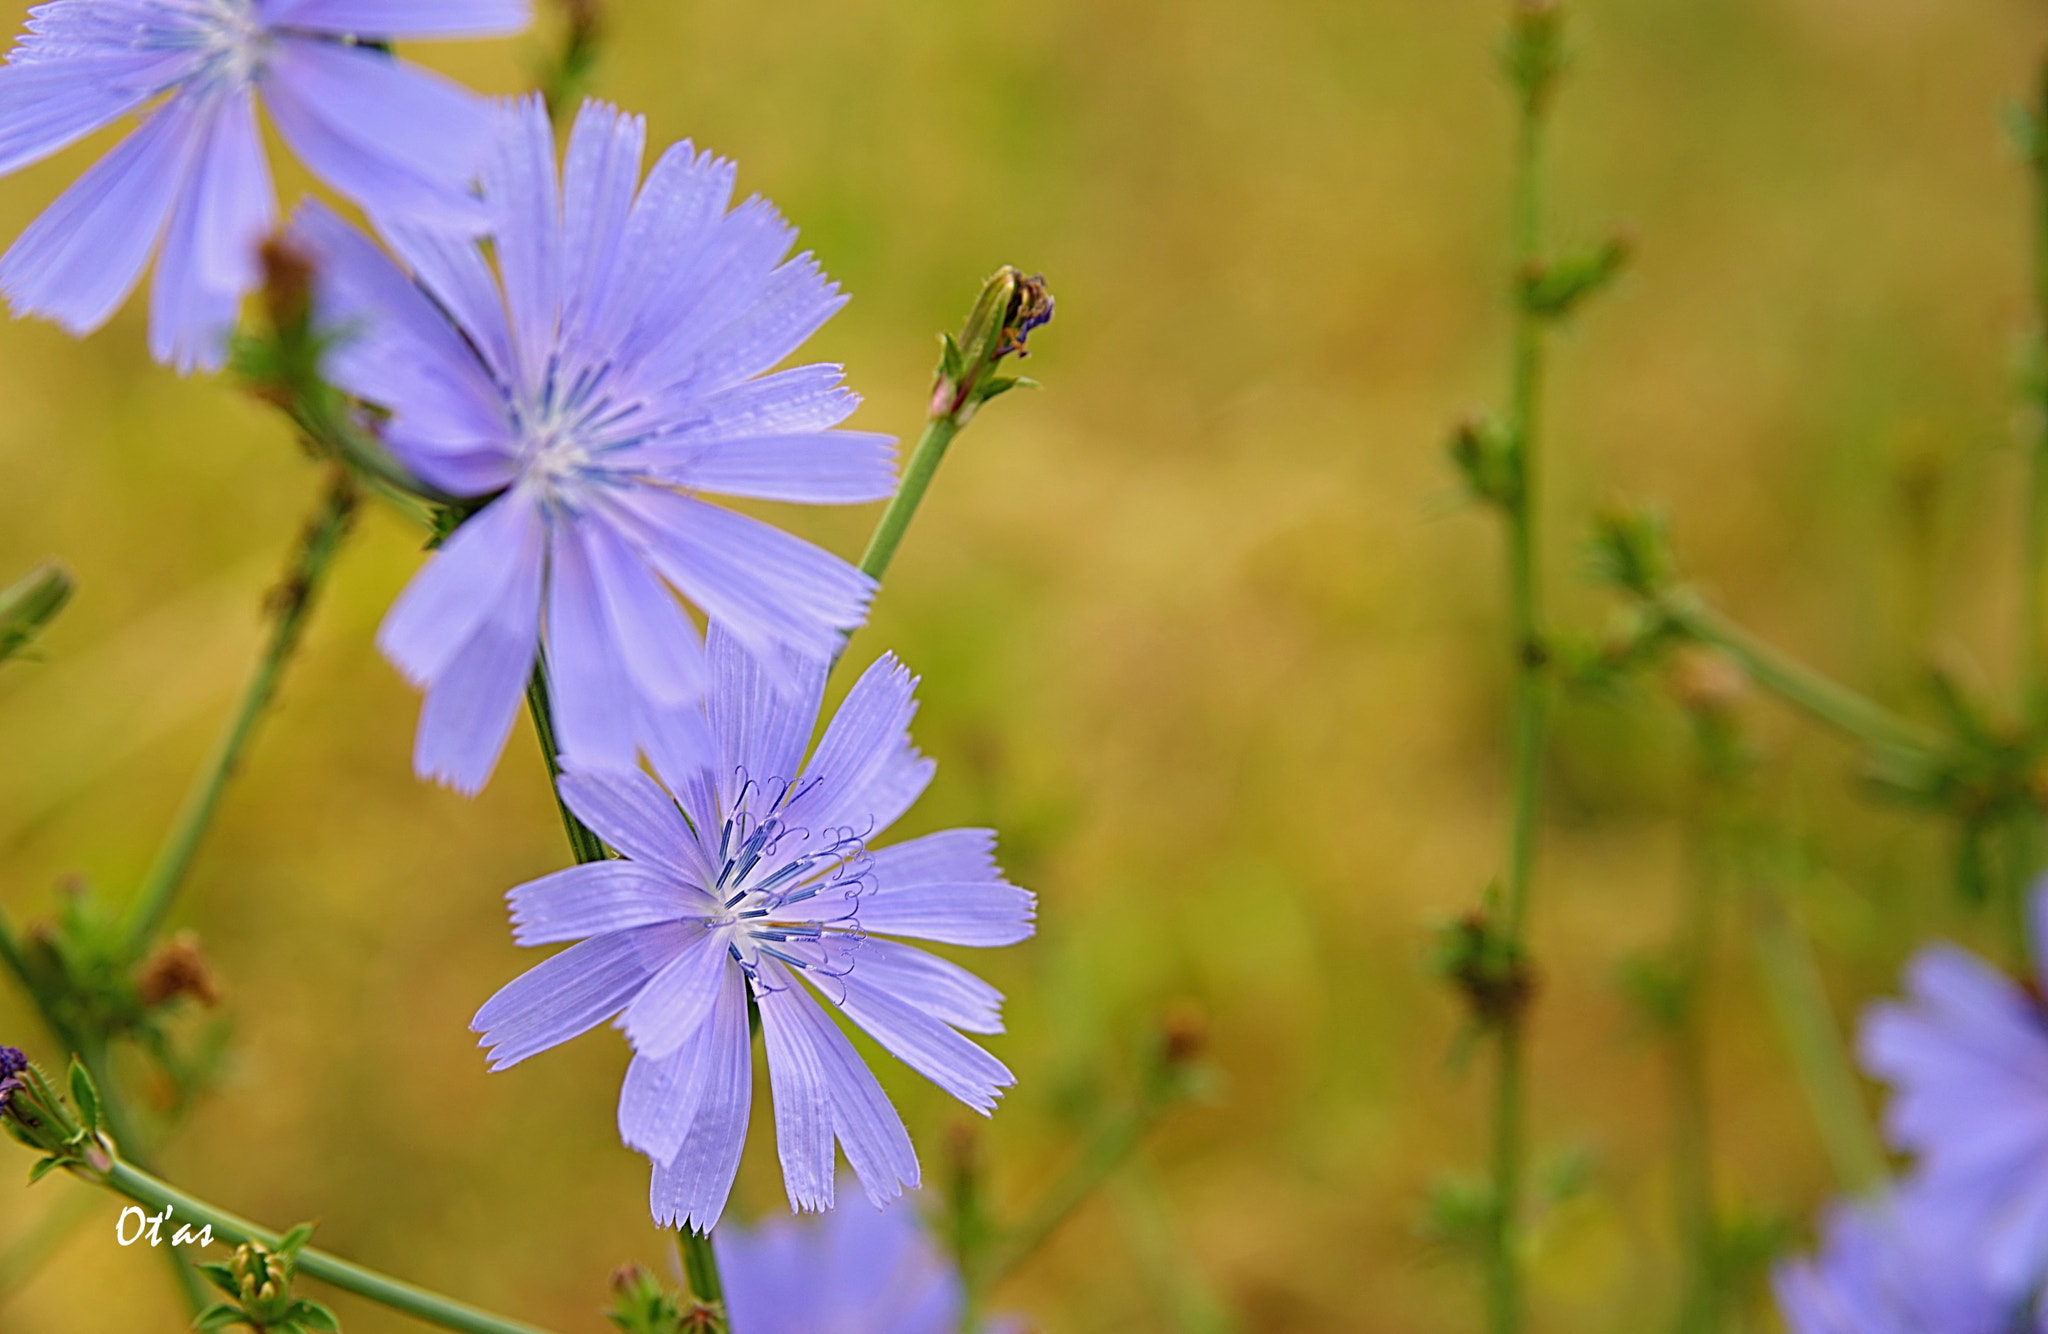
x=417, y=1302
x=1827, y=700
x=122, y=1127
x=1818, y=1053
x=585, y=845
x=294, y=598
x=1527, y=645
x=2034, y=547
x=1691, y=1120
x=700, y=1267
x=917, y=477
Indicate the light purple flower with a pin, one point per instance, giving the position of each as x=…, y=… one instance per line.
x=757, y=880
x=611, y=368
x=855, y=1271
x=1967, y=1057
x=1899, y=1266
x=399, y=141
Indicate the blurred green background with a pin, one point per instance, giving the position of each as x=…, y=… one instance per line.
x=1206, y=630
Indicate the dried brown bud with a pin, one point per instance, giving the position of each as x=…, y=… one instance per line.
x=1183, y=1033
x=178, y=967
x=287, y=283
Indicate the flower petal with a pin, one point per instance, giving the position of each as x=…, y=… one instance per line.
x=909, y=1031
x=803, y=1099
x=771, y=589
x=573, y=992
x=596, y=898
x=818, y=468
x=77, y=262
x=491, y=561
x=599, y=175
x=679, y=999
x=404, y=18
x=519, y=182
x=659, y=1099
x=760, y=722
x=629, y=811
x=46, y=106
x=865, y=773
x=399, y=140
x=690, y=1190
x=210, y=253
x=586, y=678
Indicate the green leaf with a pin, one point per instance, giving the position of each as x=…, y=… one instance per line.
x=85, y=1095
x=28, y=605
x=43, y=1169
x=313, y=1315
x=294, y=1241
x=220, y=1276
x=220, y=1315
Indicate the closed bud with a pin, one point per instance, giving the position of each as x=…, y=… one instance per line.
x=1554, y=290
x=1631, y=550
x=1011, y=305
x=1535, y=54
x=29, y=604
x=1484, y=453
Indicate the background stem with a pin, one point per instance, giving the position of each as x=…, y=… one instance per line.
x=292, y=601
x=917, y=477
x=1527, y=645
x=417, y=1302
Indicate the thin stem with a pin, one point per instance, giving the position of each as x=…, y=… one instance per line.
x=292, y=601
x=1527, y=644
x=1691, y=1116
x=1818, y=1053
x=585, y=845
x=1110, y=1146
x=1828, y=700
x=917, y=477
x=417, y=1302
x=2034, y=547
x=121, y=1127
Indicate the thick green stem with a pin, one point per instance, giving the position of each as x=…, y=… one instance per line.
x=292, y=601
x=1827, y=700
x=417, y=1302
x=700, y=1267
x=917, y=477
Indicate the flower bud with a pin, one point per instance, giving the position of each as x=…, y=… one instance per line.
x=30, y=604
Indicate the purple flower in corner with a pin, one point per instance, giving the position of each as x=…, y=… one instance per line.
x=399, y=141
x=855, y=1271
x=757, y=880
x=612, y=368
x=12, y=1066
x=1899, y=1266
x=1967, y=1057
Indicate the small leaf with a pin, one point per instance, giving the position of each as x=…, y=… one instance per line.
x=294, y=1241
x=219, y=1316
x=220, y=1276
x=43, y=1169
x=313, y=1315
x=85, y=1095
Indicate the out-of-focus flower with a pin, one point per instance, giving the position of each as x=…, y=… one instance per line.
x=1966, y=1054
x=401, y=142
x=756, y=878
x=1895, y=1266
x=855, y=1271
x=611, y=369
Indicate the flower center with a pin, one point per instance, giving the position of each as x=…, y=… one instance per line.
x=767, y=868
x=234, y=42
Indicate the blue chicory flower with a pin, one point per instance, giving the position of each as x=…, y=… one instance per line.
x=1967, y=1057
x=610, y=369
x=1900, y=1265
x=399, y=141
x=855, y=1271
x=756, y=880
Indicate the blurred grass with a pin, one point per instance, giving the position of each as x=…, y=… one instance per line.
x=1203, y=633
